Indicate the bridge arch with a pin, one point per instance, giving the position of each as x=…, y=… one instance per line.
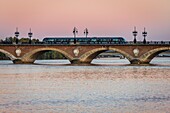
x=9, y=55
x=147, y=57
x=31, y=56
x=90, y=55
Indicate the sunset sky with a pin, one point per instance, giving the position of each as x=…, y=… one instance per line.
x=101, y=17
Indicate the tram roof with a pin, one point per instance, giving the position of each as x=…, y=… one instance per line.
x=83, y=37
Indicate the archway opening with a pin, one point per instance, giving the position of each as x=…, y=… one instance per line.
x=50, y=57
x=4, y=59
x=110, y=57
x=161, y=58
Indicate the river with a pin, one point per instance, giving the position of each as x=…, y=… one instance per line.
x=107, y=86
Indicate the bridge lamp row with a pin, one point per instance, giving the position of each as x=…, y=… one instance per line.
x=135, y=34
x=17, y=35
x=75, y=31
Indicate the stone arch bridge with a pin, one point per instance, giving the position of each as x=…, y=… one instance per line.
x=78, y=54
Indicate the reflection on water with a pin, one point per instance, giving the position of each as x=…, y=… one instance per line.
x=66, y=88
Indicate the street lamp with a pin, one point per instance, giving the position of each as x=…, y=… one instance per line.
x=16, y=35
x=30, y=35
x=86, y=32
x=75, y=31
x=144, y=35
x=135, y=34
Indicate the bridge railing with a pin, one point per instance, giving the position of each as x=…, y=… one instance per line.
x=150, y=43
x=126, y=43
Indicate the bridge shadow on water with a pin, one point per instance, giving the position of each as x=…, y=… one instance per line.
x=160, y=65
x=106, y=62
x=97, y=65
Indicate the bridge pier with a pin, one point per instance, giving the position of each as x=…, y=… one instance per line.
x=135, y=61
x=75, y=61
x=138, y=61
x=19, y=61
x=78, y=61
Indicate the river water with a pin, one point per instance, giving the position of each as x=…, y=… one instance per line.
x=107, y=86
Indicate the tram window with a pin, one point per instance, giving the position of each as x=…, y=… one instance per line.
x=93, y=40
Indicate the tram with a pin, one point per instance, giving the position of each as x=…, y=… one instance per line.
x=83, y=41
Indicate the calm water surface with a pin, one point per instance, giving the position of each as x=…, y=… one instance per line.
x=55, y=86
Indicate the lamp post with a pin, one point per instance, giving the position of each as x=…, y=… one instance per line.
x=30, y=35
x=135, y=34
x=144, y=35
x=75, y=31
x=86, y=32
x=16, y=35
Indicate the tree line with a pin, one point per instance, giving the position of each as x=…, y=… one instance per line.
x=14, y=40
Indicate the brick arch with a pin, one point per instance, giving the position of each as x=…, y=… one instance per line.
x=128, y=56
x=147, y=57
x=90, y=55
x=9, y=55
x=31, y=56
